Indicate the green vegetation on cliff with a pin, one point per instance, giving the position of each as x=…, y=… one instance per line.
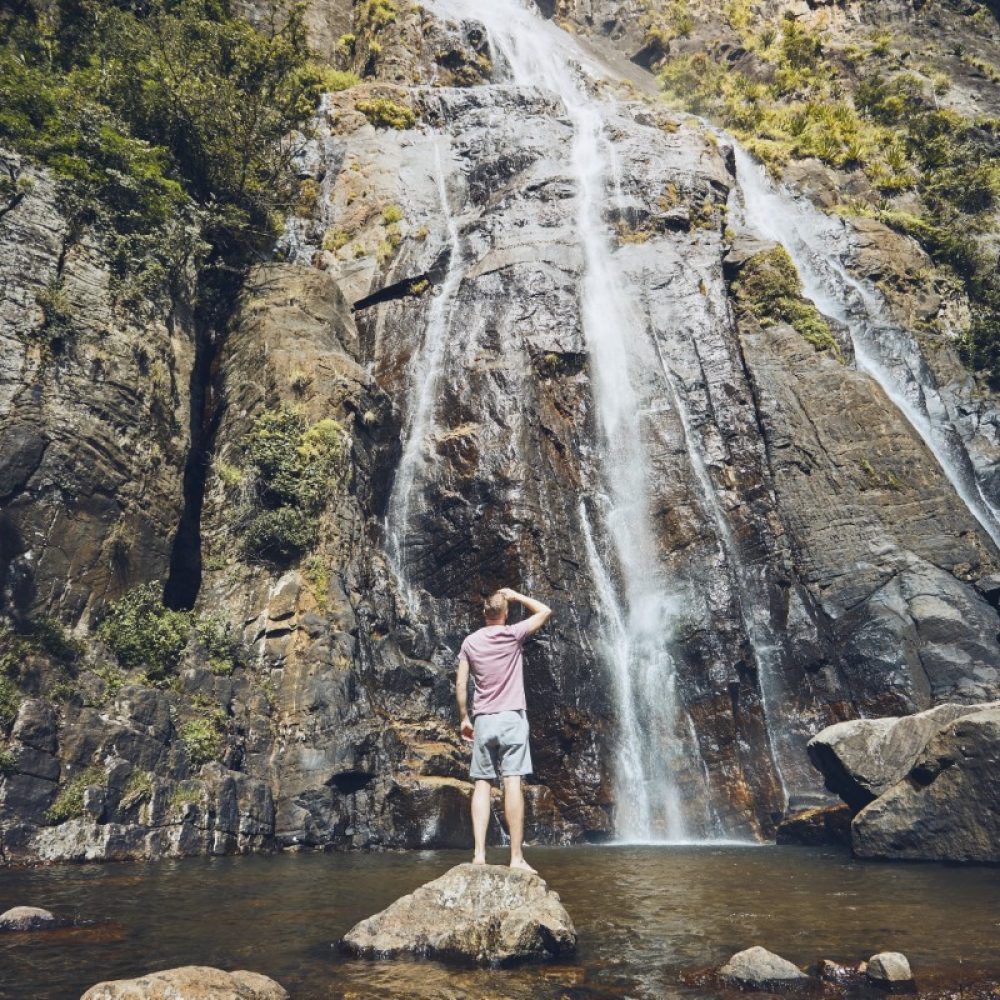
x=769, y=289
x=291, y=469
x=22, y=649
x=145, y=635
x=167, y=121
x=791, y=92
x=204, y=737
x=69, y=803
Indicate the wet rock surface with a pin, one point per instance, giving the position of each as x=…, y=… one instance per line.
x=485, y=914
x=759, y=969
x=192, y=982
x=837, y=972
x=816, y=826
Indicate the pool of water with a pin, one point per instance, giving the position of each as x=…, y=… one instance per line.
x=649, y=918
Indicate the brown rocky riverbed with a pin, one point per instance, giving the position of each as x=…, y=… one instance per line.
x=650, y=921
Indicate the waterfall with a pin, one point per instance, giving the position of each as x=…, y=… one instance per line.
x=424, y=377
x=638, y=605
x=819, y=244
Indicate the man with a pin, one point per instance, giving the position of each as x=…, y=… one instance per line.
x=500, y=734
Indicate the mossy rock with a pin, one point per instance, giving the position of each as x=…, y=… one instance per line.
x=769, y=290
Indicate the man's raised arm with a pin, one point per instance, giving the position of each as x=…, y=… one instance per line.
x=540, y=613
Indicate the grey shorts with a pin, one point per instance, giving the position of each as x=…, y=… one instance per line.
x=500, y=743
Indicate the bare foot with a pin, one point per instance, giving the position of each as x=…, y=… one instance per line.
x=479, y=861
x=522, y=865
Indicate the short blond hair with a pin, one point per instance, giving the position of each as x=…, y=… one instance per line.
x=495, y=606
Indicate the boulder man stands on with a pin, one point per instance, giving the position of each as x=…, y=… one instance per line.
x=500, y=734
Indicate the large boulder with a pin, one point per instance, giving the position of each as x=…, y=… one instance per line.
x=482, y=913
x=862, y=759
x=28, y=918
x=948, y=806
x=759, y=969
x=190, y=982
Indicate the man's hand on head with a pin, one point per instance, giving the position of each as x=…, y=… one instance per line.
x=511, y=595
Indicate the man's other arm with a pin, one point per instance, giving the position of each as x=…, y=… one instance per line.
x=462, y=697
x=540, y=613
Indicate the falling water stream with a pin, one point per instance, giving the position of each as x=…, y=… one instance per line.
x=819, y=244
x=638, y=604
x=424, y=378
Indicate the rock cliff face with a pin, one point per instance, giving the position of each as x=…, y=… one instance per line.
x=95, y=405
x=423, y=324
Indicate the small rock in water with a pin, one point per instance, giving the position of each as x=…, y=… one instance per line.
x=487, y=914
x=28, y=918
x=190, y=982
x=835, y=972
x=760, y=969
x=889, y=968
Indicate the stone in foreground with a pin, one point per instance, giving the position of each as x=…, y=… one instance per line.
x=486, y=914
x=760, y=969
x=889, y=968
x=28, y=918
x=190, y=982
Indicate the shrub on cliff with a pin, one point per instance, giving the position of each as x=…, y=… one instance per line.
x=37, y=636
x=10, y=701
x=204, y=738
x=383, y=112
x=143, y=634
x=168, y=121
x=291, y=469
x=146, y=635
x=69, y=802
x=769, y=289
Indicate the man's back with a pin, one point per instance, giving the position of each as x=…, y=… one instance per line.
x=499, y=737
x=494, y=654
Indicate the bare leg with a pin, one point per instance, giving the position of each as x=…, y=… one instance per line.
x=513, y=807
x=480, y=819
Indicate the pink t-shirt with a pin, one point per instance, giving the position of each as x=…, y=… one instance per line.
x=494, y=655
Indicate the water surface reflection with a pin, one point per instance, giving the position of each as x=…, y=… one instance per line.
x=647, y=917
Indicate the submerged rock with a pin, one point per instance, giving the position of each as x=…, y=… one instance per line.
x=760, y=969
x=488, y=914
x=190, y=982
x=948, y=807
x=28, y=918
x=889, y=968
x=836, y=972
x=862, y=759
x=816, y=825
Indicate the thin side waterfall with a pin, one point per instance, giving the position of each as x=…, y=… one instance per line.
x=818, y=244
x=424, y=376
x=638, y=605
x=783, y=746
